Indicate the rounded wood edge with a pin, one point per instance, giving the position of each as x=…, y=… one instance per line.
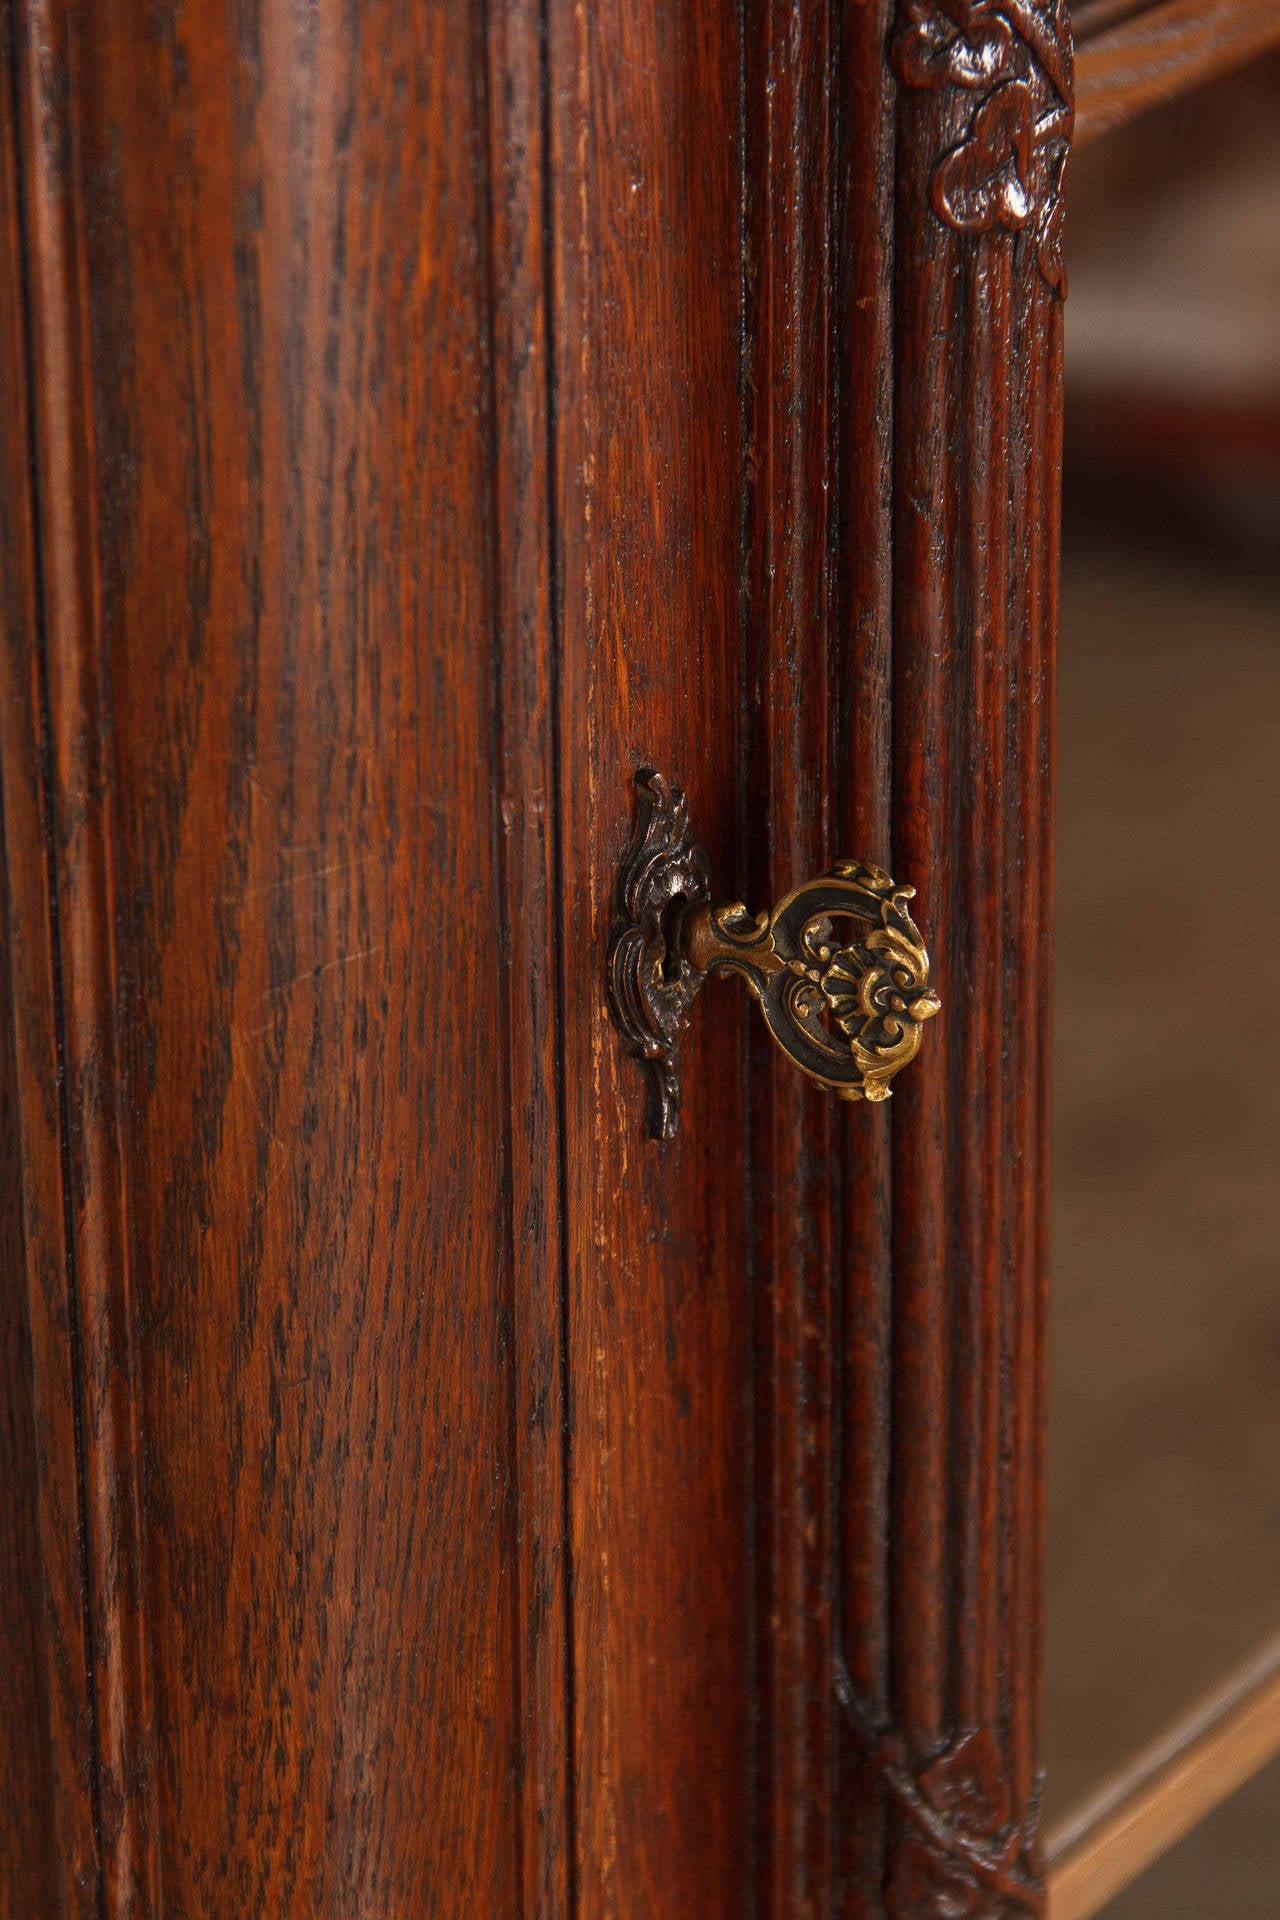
x=1169, y=1787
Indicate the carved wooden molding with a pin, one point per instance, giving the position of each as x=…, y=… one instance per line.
x=1013, y=57
x=959, y=1852
x=936, y=1686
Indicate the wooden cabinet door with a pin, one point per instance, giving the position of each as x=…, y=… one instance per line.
x=427, y=1494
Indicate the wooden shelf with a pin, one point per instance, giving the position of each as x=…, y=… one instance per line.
x=1149, y=1806
x=1130, y=58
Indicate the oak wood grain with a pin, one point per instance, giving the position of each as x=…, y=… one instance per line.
x=648, y=370
x=317, y=1419
x=944, y=1473
x=789, y=809
x=441, y=1499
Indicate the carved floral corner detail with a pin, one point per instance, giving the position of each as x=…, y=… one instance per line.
x=960, y=1853
x=1009, y=166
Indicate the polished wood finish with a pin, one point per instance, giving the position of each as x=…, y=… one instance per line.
x=951, y=1685
x=1145, y=1809
x=1130, y=58
x=795, y=80
x=912, y=1308
x=431, y=1495
x=312, y=1418
x=46, y=1702
x=644, y=150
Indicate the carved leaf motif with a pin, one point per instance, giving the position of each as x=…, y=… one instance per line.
x=968, y=1782
x=922, y=1882
x=953, y=45
x=1049, y=247
x=1007, y=169
x=987, y=182
x=959, y=1850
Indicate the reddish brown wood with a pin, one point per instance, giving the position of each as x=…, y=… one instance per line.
x=29, y=1835
x=789, y=806
x=78, y=801
x=939, y=1659
x=50, y=1687
x=861, y=680
x=308, y=1138
x=525, y=667
x=430, y=1495
x=48, y=1815
x=648, y=372
x=530, y=866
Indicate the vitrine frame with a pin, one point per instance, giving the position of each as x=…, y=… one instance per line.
x=895, y=281
x=900, y=287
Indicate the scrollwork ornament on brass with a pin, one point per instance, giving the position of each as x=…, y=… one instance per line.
x=651, y=984
x=848, y=1010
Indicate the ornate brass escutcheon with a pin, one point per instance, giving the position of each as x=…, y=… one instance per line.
x=849, y=1012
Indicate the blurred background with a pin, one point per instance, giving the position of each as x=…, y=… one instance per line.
x=1165, y=1417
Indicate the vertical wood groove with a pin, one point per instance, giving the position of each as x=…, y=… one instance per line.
x=861, y=698
x=488, y=81
x=77, y=782
x=744, y=849
x=74, y=1323
x=794, y=485
x=74, y=1747
x=529, y=860
x=950, y=1748
x=646, y=118
x=559, y=868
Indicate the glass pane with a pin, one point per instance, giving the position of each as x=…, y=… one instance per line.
x=1227, y=1866
x=1165, y=1416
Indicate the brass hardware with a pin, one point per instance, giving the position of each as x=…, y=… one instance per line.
x=849, y=1016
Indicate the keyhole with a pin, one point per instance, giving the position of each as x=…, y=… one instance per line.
x=670, y=922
